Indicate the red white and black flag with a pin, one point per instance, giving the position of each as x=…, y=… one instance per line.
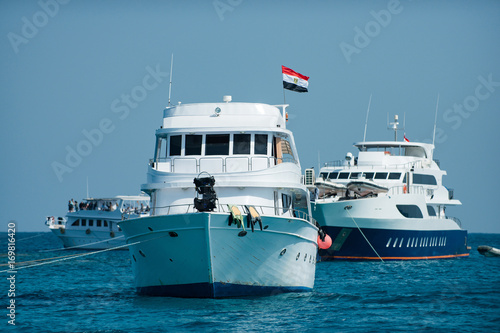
x=293, y=80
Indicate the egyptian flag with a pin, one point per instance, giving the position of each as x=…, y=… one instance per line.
x=406, y=139
x=293, y=80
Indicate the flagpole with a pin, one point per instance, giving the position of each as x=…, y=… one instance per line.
x=284, y=99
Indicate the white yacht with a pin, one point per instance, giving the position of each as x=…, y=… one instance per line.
x=93, y=224
x=230, y=215
x=388, y=203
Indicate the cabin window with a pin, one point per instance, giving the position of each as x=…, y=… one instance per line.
x=175, y=145
x=381, y=175
x=260, y=144
x=91, y=223
x=424, y=179
x=99, y=223
x=410, y=211
x=323, y=175
x=217, y=144
x=354, y=175
x=333, y=175
x=241, y=144
x=160, y=154
x=193, y=144
x=431, y=211
x=105, y=223
x=286, y=201
x=76, y=223
x=344, y=175
x=395, y=175
x=369, y=175
x=84, y=222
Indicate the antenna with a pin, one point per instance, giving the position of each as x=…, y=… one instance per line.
x=394, y=126
x=367, y=113
x=435, y=121
x=87, y=186
x=170, y=85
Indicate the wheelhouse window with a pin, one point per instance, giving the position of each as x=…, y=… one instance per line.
x=381, y=175
x=91, y=223
x=217, y=144
x=410, y=211
x=76, y=223
x=323, y=175
x=369, y=175
x=344, y=175
x=84, y=222
x=98, y=223
x=260, y=144
x=395, y=175
x=354, y=175
x=193, y=144
x=333, y=175
x=175, y=145
x=241, y=144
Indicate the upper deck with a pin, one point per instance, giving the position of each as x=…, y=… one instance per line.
x=223, y=138
x=216, y=116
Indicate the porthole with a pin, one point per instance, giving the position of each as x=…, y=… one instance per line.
x=282, y=252
x=305, y=257
x=142, y=253
x=388, y=242
x=298, y=255
x=150, y=229
x=173, y=234
x=242, y=233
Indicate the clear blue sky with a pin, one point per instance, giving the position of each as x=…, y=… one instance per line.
x=101, y=68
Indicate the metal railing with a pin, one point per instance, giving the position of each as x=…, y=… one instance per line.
x=223, y=208
x=342, y=164
x=252, y=162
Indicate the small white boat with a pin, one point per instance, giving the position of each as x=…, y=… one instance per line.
x=488, y=251
x=328, y=188
x=363, y=187
x=93, y=225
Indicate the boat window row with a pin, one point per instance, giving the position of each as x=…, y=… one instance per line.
x=358, y=175
x=223, y=144
x=417, y=241
x=89, y=223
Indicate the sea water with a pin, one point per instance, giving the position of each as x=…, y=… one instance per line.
x=96, y=293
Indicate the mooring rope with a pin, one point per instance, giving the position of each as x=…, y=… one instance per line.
x=80, y=246
x=78, y=255
x=346, y=208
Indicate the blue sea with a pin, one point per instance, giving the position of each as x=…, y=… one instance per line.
x=96, y=293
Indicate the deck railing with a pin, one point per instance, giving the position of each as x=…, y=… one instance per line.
x=223, y=208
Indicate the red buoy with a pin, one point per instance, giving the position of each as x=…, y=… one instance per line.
x=326, y=243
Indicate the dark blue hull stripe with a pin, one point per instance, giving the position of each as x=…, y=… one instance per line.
x=216, y=290
x=349, y=244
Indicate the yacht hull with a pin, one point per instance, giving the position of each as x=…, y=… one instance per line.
x=389, y=244
x=93, y=240
x=200, y=255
